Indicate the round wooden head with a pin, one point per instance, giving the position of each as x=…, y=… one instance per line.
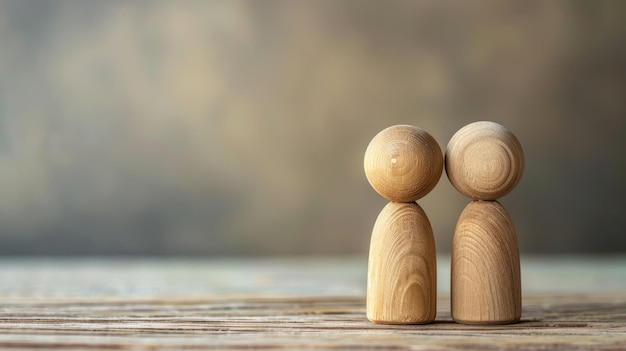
x=484, y=161
x=403, y=163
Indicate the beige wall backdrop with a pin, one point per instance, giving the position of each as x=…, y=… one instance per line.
x=239, y=127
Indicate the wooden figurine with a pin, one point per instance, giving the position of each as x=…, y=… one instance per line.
x=485, y=161
x=402, y=163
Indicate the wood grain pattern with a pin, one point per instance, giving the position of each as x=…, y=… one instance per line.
x=198, y=304
x=486, y=283
x=484, y=160
x=402, y=268
x=403, y=163
x=551, y=322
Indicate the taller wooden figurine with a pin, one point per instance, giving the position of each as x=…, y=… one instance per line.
x=403, y=163
x=484, y=161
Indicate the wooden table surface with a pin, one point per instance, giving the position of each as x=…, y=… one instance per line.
x=570, y=303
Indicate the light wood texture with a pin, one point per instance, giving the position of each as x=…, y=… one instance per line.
x=570, y=303
x=403, y=163
x=402, y=267
x=484, y=160
x=486, y=284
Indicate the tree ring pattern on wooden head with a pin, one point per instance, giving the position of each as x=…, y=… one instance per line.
x=484, y=161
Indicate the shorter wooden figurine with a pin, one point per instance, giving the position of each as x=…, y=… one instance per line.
x=485, y=161
x=402, y=163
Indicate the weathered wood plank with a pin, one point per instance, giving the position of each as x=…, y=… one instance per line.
x=121, y=308
x=554, y=322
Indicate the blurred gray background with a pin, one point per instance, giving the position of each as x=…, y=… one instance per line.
x=239, y=127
